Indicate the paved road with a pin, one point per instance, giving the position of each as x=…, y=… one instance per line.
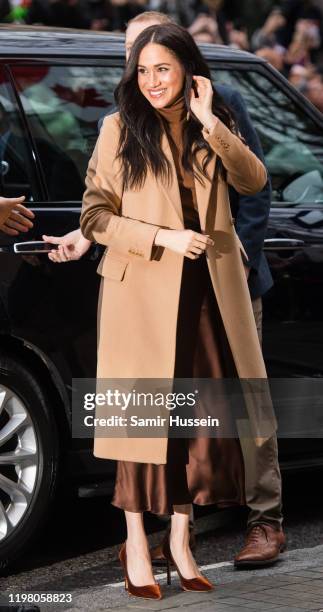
x=295, y=584
x=292, y=585
x=79, y=553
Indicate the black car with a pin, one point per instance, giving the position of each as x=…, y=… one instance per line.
x=54, y=87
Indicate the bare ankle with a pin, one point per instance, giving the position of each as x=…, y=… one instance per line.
x=137, y=545
x=180, y=540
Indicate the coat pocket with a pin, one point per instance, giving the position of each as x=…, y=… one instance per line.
x=112, y=267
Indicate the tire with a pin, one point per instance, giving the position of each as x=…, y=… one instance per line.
x=29, y=457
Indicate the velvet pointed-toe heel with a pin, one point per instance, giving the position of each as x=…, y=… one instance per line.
x=147, y=591
x=198, y=583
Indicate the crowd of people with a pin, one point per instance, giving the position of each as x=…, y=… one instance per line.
x=287, y=33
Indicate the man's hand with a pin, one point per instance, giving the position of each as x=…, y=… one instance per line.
x=72, y=246
x=14, y=217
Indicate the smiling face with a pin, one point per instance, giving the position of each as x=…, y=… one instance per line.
x=160, y=75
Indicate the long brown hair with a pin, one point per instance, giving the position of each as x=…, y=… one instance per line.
x=141, y=131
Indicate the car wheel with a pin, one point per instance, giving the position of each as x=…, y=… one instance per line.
x=28, y=458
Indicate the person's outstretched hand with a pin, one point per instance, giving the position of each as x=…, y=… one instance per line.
x=14, y=217
x=71, y=246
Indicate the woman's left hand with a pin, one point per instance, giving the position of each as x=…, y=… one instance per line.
x=202, y=105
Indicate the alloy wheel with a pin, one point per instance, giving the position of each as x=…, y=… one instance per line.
x=19, y=459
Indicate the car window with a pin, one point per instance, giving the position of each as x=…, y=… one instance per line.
x=17, y=169
x=291, y=140
x=63, y=105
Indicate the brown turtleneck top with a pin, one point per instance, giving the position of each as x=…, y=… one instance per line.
x=175, y=115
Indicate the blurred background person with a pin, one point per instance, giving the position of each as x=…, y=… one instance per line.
x=101, y=14
x=182, y=12
x=266, y=36
x=238, y=35
x=298, y=77
x=305, y=42
x=205, y=29
x=123, y=10
x=210, y=22
x=274, y=56
x=293, y=10
x=59, y=13
x=313, y=86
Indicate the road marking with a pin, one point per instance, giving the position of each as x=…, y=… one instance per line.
x=174, y=573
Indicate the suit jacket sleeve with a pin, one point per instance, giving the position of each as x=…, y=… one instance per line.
x=245, y=172
x=101, y=218
x=251, y=211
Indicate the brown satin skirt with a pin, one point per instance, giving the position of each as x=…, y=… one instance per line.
x=201, y=470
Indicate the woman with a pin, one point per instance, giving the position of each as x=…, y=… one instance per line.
x=174, y=300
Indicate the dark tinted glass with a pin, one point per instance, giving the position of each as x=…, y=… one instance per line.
x=291, y=140
x=63, y=105
x=17, y=168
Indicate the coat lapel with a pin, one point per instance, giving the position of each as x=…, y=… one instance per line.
x=203, y=192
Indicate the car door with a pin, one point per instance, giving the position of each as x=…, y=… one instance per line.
x=57, y=107
x=48, y=127
x=291, y=133
x=19, y=175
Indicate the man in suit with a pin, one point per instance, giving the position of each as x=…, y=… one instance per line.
x=265, y=538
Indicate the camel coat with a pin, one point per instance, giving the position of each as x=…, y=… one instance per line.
x=140, y=287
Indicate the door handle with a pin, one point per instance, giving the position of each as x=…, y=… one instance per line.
x=32, y=247
x=283, y=244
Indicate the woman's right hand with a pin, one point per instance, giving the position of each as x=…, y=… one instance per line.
x=186, y=242
x=71, y=246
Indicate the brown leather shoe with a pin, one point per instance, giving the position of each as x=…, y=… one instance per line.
x=263, y=547
x=156, y=552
